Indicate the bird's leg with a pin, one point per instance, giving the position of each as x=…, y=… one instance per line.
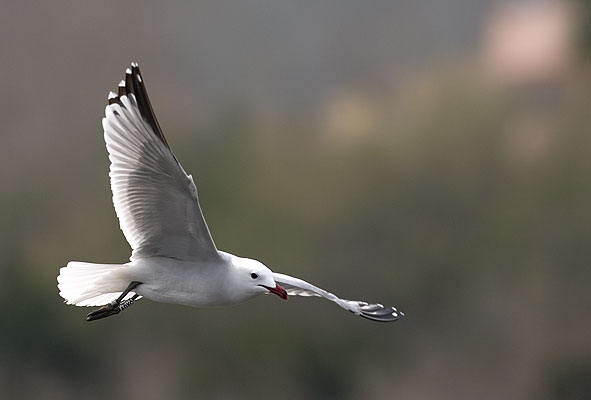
x=116, y=306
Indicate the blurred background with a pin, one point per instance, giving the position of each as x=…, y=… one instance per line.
x=432, y=155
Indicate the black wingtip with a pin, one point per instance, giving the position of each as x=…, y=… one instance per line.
x=134, y=84
x=379, y=313
x=113, y=98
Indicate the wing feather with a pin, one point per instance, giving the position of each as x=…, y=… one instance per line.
x=155, y=200
x=375, y=312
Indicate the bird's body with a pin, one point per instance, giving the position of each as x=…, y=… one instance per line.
x=174, y=281
x=174, y=258
x=193, y=283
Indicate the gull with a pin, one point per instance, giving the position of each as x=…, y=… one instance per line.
x=173, y=259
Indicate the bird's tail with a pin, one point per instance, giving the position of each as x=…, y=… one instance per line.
x=87, y=284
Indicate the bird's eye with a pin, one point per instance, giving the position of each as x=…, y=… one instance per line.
x=254, y=276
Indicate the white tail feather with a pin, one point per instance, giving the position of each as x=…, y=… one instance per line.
x=87, y=284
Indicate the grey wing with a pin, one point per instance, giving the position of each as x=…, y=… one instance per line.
x=155, y=199
x=375, y=312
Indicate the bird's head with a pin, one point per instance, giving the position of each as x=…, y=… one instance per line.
x=255, y=278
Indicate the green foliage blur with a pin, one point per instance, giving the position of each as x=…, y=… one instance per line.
x=462, y=201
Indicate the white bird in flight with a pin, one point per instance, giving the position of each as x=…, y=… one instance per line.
x=174, y=258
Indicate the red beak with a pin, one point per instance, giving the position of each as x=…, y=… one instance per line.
x=278, y=290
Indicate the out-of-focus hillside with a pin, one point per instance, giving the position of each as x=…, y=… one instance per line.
x=458, y=191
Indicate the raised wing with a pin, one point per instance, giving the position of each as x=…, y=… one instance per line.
x=155, y=199
x=375, y=312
